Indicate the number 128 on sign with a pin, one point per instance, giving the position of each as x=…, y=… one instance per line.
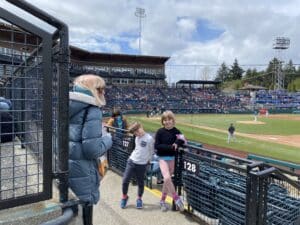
x=190, y=166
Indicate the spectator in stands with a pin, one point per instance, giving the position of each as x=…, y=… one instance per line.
x=6, y=121
x=231, y=131
x=137, y=163
x=117, y=120
x=178, y=99
x=166, y=144
x=86, y=142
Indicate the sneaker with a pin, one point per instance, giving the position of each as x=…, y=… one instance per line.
x=164, y=206
x=139, y=203
x=124, y=202
x=179, y=204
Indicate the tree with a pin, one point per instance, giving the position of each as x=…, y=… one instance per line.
x=248, y=74
x=223, y=72
x=289, y=72
x=254, y=77
x=294, y=85
x=270, y=78
x=236, y=72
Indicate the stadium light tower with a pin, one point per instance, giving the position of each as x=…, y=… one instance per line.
x=280, y=44
x=140, y=14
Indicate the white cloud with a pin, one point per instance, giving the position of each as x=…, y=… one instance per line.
x=249, y=28
x=185, y=27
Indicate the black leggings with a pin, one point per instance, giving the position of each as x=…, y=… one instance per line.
x=87, y=214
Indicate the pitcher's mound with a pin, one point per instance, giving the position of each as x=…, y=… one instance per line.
x=251, y=122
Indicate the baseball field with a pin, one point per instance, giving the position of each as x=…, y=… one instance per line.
x=276, y=136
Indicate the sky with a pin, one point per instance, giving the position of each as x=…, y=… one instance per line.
x=197, y=35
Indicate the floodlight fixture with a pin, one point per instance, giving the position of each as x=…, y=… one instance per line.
x=281, y=43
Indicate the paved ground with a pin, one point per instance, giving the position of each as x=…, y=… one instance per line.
x=19, y=171
x=108, y=210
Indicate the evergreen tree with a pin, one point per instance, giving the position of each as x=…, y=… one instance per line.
x=289, y=72
x=236, y=72
x=223, y=72
x=260, y=78
x=265, y=78
x=247, y=79
x=248, y=75
x=270, y=73
x=294, y=85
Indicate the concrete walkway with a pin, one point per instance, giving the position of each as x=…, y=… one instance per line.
x=108, y=210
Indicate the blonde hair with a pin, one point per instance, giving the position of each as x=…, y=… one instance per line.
x=94, y=84
x=134, y=127
x=167, y=115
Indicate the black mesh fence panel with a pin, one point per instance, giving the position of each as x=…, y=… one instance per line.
x=283, y=202
x=22, y=123
x=123, y=144
x=216, y=188
x=216, y=192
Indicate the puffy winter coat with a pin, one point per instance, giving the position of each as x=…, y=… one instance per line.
x=6, y=121
x=5, y=104
x=86, y=145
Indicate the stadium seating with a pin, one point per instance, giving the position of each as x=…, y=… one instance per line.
x=194, y=100
x=275, y=162
x=180, y=100
x=278, y=98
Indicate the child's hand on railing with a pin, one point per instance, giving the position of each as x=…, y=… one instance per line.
x=174, y=146
x=182, y=138
x=104, y=129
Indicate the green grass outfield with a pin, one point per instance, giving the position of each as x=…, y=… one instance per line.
x=272, y=126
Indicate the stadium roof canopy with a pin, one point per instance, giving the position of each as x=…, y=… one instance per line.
x=76, y=53
x=84, y=55
x=251, y=87
x=198, y=82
